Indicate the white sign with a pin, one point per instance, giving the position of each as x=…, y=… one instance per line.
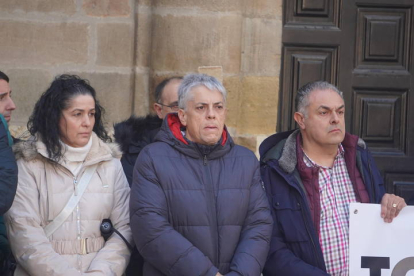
x=377, y=248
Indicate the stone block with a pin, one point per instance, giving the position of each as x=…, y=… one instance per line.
x=262, y=46
x=32, y=43
x=233, y=104
x=183, y=43
x=142, y=98
x=214, y=71
x=115, y=44
x=27, y=85
x=211, y=5
x=107, y=8
x=144, y=2
x=113, y=92
x=259, y=105
x=67, y=7
x=249, y=142
x=144, y=39
x=264, y=8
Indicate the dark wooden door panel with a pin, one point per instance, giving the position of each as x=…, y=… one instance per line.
x=312, y=13
x=365, y=48
x=382, y=39
x=380, y=118
x=303, y=64
x=401, y=184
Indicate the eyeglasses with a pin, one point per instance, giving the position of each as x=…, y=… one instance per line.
x=173, y=107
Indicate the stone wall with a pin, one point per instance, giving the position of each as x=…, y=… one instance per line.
x=125, y=47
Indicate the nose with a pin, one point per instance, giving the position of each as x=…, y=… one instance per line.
x=86, y=121
x=11, y=105
x=211, y=113
x=334, y=118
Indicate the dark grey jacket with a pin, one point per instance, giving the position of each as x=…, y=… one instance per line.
x=198, y=210
x=8, y=168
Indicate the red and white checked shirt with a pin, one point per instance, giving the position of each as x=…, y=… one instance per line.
x=336, y=193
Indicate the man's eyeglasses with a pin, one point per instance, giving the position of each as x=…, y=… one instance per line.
x=173, y=107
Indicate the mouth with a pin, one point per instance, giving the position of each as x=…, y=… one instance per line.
x=335, y=130
x=211, y=128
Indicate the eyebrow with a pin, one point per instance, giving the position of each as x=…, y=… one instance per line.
x=207, y=103
x=79, y=109
x=328, y=108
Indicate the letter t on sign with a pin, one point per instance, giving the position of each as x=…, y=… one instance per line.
x=375, y=264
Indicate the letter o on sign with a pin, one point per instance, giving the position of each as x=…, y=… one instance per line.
x=403, y=267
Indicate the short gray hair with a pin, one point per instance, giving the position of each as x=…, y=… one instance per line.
x=191, y=81
x=302, y=97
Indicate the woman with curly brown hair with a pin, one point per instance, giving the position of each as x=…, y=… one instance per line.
x=69, y=181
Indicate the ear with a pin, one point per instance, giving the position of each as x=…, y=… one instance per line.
x=158, y=109
x=182, y=115
x=300, y=119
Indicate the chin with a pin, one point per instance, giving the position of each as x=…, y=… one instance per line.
x=211, y=141
x=337, y=141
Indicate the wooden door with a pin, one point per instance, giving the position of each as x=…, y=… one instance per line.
x=365, y=48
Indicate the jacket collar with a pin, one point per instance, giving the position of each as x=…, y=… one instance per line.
x=34, y=148
x=170, y=133
x=285, y=149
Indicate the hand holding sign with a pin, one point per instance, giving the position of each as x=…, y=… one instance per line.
x=379, y=248
x=391, y=205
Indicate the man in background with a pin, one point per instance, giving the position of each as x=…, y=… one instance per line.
x=8, y=167
x=135, y=133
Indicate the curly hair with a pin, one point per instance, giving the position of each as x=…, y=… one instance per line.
x=47, y=112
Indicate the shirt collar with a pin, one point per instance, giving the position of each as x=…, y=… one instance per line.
x=310, y=163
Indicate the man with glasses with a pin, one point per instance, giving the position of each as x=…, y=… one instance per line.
x=166, y=96
x=137, y=132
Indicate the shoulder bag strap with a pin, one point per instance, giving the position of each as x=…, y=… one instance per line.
x=73, y=201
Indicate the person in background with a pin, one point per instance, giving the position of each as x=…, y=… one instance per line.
x=198, y=206
x=8, y=168
x=311, y=176
x=135, y=133
x=67, y=150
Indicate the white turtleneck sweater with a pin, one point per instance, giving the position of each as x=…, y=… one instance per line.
x=74, y=157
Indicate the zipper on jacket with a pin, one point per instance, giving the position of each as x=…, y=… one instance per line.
x=213, y=203
x=78, y=226
x=75, y=185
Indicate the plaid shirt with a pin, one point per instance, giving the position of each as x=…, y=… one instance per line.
x=336, y=193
